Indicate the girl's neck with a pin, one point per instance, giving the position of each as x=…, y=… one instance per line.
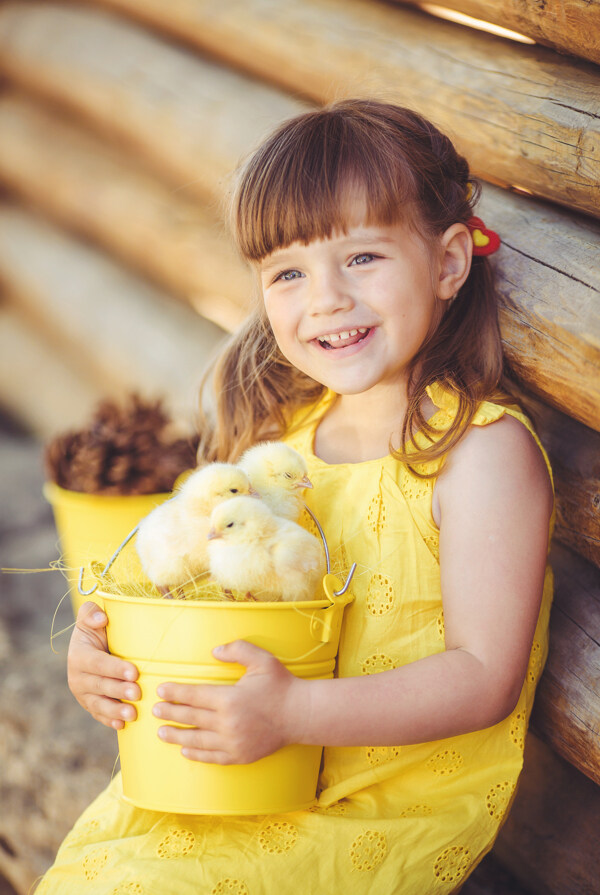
x=363, y=427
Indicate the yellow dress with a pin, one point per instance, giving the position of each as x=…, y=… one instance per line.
x=396, y=820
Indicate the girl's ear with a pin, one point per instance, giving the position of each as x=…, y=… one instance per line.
x=456, y=251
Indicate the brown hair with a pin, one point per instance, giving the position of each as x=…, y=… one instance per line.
x=296, y=187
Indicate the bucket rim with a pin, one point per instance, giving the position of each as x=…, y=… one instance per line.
x=213, y=605
x=57, y=494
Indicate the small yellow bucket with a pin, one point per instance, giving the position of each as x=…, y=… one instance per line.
x=172, y=640
x=89, y=525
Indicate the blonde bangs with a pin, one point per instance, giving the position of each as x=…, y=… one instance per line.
x=308, y=179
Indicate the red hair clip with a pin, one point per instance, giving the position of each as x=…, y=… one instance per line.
x=485, y=242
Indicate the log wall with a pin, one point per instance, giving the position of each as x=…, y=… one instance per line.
x=569, y=26
x=120, y=124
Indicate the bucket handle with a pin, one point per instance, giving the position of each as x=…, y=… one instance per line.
x=87, y=593
x=336, y=593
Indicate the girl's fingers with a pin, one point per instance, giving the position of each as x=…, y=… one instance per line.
x=96, y=661
x=207, y=757
x=90, y=615
x=109, y=712
x=195, y=740
x=202, y=696
x=184, y=714
x=111, y=687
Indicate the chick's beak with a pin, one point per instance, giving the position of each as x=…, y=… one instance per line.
x=304, y=482
x=213, y=535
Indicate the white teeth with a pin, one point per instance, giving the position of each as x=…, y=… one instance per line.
x=335, y=337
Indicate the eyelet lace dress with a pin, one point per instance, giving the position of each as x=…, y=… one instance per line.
x=393, y=819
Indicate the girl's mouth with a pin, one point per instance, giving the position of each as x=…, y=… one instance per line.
x=343, y=339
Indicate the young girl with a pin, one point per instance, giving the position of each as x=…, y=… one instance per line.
x=375, y=352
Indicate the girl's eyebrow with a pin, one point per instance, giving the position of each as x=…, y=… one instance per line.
x=274, y=262
x=283, y=257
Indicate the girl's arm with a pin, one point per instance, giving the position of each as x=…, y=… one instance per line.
x=493, y=503
x=98, y=680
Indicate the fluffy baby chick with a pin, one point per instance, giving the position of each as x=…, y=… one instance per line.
x=279, y=474
x=263, y=555
x=172, y=540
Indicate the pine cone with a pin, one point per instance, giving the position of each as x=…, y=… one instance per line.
x=127, y=449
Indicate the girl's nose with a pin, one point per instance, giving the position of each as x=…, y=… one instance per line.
x=329, y=292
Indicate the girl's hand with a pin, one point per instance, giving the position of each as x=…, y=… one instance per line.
x=234, y=724
x=97, y=680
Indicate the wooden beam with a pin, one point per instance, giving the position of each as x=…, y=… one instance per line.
x=38, y=386
x=566, y=712
x=569, y=26
x=549, y=285
x=574, y=452
x=521, y=114
x=126, y=333
x=104, y=193
x=189, y=119
x=550, y=839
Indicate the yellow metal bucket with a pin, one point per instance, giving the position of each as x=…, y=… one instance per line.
x=172, y=640
x=89, y=525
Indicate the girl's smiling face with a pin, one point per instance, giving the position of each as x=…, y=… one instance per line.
x=353, y=310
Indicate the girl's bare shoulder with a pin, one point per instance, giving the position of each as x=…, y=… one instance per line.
x=494, y=464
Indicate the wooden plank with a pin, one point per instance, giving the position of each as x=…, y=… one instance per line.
x=522, y=114
x=126, y=333
x=105, y=194
x=574, y=452
x=566, y=712
x=191, y=120
x=549, y=283
x=569, y=26
x=37, y=385
x=550, y=839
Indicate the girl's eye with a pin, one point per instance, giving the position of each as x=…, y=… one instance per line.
x=287, y=275
x=363, y=258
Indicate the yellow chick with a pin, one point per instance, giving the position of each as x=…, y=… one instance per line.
x=279, y=474
x=253, y=551
x=172, y=540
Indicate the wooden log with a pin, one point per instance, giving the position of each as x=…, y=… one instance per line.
x=105, y=194
x=549, y=284
x=126, y=333
x=566, y=712
x=38, y=386
x=522, y=114
x=550, y=839
x=569, y=26
x=574, y=452
x=190, y=119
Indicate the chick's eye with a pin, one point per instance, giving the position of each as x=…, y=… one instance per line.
x=233, y=490
x=288, y=475
x=230, y=525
